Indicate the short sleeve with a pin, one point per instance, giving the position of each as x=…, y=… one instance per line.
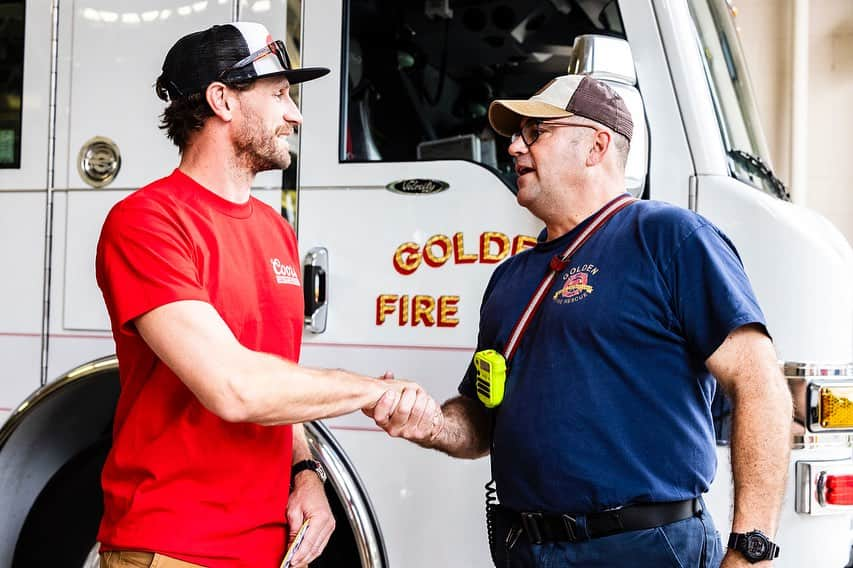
x=711, y=293
x=467, y=386
x=144, y=260
x=485, y=340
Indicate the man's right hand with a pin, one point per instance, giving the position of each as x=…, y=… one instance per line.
x=407, y=411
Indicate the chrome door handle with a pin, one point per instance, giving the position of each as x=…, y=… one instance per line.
x=314, y=271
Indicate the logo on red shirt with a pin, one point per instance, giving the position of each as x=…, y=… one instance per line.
x=284, y=273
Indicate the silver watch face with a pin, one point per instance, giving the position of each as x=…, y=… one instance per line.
x=321, y=472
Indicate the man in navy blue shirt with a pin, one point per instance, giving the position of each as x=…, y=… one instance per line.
x=604, y=442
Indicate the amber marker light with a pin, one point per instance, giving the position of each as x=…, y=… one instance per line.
x=836, y=406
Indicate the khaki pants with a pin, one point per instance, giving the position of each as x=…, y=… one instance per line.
x=133, y=559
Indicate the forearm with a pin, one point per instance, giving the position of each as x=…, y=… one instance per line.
x=760, y=448
x=466, y=433
x=269, y=390
x=241, y=385
x=307, y=504
x=301, y=450
x=745, y=366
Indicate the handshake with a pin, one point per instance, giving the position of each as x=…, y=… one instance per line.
x=405, y=410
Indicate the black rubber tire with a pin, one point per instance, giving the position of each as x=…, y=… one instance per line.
x=62, y=525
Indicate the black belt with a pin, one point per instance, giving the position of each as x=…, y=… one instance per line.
x=555, y=527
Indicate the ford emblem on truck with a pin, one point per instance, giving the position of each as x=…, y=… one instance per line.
x=420, y=186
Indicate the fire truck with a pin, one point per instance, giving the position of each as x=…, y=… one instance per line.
x=403, y=200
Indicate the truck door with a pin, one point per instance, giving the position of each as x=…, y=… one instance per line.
x=406, y=205
x=24, y=112
x=111, y=57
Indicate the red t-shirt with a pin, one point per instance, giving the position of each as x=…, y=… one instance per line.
x=179, y=480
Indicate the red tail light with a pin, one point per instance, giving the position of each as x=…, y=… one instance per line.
x=838, y=490
x=825, y=487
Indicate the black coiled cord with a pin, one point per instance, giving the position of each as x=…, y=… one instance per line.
x=491, y=513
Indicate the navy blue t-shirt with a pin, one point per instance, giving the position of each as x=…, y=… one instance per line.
x=608, y=401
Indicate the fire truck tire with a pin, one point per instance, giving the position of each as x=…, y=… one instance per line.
x=63, y=522
x=52, y=450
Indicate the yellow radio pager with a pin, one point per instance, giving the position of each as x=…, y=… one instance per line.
x=491, y=377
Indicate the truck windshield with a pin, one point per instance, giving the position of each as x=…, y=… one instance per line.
x=420, y=76
x=725, y=68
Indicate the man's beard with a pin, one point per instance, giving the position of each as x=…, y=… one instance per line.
x=256, y=150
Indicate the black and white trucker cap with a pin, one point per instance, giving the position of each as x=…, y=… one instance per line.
x=234, y=52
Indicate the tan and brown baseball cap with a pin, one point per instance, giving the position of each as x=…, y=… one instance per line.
x=567, y=95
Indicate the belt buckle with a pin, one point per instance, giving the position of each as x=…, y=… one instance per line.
x=615, y=517
x=530, y=522
x=569, y=523
x=697, y=506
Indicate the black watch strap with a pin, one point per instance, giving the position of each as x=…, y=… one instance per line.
x=740, y=542
x=304, y=465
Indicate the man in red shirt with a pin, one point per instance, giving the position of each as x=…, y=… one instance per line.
x=202, y=284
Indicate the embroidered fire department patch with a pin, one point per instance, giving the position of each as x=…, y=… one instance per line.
x=577, y=284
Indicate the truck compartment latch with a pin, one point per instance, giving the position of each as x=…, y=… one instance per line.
x=314, y=271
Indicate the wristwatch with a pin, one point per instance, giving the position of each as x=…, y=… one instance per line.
x=312, y=465
x=754, y=545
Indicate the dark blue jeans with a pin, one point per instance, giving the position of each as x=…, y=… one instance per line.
x=690, y=543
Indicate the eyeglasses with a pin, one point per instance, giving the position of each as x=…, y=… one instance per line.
x=276, y=48
x=530, y=132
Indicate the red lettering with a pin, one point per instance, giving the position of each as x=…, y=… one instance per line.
x=486, y=240
x=422, y=310
x=448, y=306
x=459, y=256
x=404, y=310
x=385, y=305
x=443, y=243
x=407, y=258
x=521, y=243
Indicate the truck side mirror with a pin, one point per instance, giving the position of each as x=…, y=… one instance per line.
x=609, y=59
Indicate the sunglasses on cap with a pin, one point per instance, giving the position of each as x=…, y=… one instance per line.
x=530, y=132
x=276, y=48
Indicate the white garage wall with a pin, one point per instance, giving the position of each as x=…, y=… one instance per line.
x=765, y=28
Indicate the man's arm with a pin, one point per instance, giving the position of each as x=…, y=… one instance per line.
x=241, y=385
x=308, y=502
x=460, y=428
x=745, y=366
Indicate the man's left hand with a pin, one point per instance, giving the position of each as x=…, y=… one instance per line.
x=308, y=502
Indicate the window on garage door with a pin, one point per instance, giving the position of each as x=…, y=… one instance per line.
x=11, y=81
